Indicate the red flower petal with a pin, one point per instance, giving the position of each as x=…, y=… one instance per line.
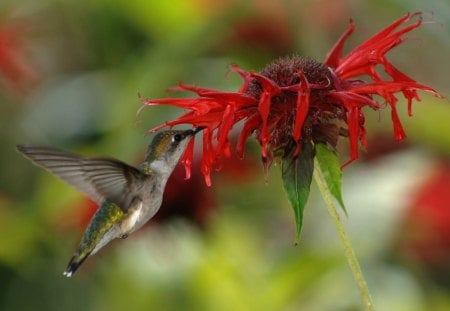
x=208, y=156
x=353, y=113
x=399, y=133
x=245, y=75
x=356, y=99
x=302, y=106
x=270, y=89
x=250, y=125
x=187, y=157
x=225, y=127
x=333, y=58
x=372, y=51
x=200, y=105
x=389, y=87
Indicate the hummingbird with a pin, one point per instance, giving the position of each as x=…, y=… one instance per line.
x=127, y=196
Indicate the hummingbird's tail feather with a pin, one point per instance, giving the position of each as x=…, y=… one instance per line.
x=75, y=263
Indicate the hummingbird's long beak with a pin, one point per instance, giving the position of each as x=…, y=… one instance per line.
x=198, y=129
x=193, y=132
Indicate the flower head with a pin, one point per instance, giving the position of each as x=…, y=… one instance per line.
x=297, y=100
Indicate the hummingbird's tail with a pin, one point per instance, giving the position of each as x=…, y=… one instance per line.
x=75, y=263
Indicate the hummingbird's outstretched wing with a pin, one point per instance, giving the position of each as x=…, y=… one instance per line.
x=98, y=178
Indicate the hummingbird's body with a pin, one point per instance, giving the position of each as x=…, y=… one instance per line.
x=127, y=196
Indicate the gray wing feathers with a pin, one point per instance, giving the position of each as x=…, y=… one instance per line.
x=98, y=178
x=112, y=179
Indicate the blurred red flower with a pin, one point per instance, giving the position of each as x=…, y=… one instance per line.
x=15, y=64
x=186, y=199
x=190, y=200
x=298, y=100
x=424, y=236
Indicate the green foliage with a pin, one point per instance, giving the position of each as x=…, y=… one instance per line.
x=330, y=166
x=94, y=58
x=297, y=172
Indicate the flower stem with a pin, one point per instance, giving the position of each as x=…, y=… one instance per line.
x=348, y=249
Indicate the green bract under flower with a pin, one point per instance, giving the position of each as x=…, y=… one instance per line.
x=297, y=100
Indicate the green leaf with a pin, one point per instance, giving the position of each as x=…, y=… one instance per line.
x=297, y=172
x=330, y=166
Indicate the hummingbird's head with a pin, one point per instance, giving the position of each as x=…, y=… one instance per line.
x=166, y=149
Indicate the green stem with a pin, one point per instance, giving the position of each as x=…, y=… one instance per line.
x=348, y=249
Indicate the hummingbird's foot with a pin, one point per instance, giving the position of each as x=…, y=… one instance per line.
x=124, y=236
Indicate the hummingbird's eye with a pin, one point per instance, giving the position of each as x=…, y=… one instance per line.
x=177, y=138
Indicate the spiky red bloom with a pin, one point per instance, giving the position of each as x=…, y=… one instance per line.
x=297, y=99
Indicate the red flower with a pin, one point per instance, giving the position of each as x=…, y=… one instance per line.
x=15, y=63
x=296, y=99
x=188, y=200
x=424, y=236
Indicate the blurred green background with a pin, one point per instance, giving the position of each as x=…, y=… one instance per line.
x=71, y=76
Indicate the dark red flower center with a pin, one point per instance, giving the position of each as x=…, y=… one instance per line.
x=284, y=71
x=319, y=123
